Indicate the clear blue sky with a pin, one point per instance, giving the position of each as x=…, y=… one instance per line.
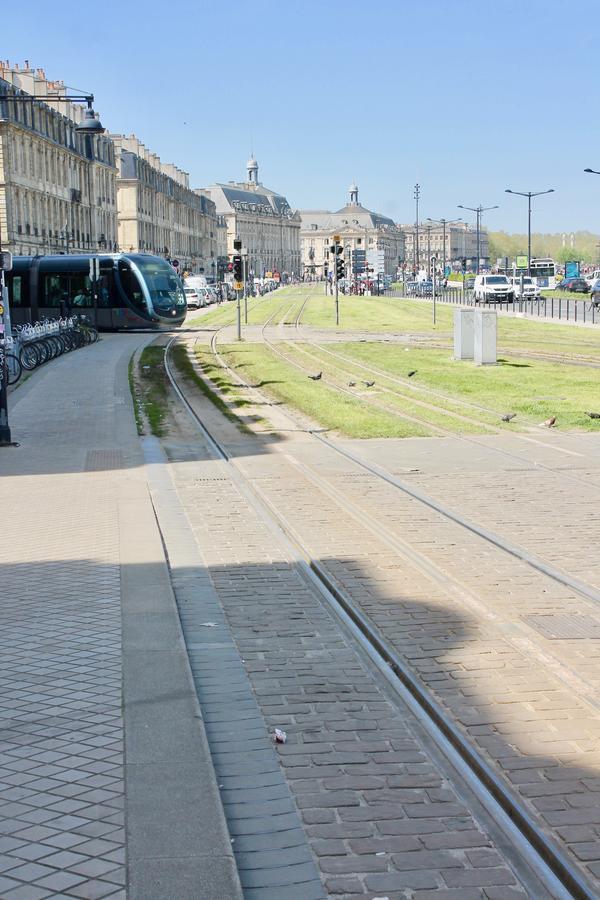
x=464, y=96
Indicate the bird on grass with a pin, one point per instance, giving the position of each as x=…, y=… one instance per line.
x=316, y=377
x=593, y=415
x=549, y=423
x=351, y=384
x=412, y=372
x=368, y=383
x=508, y=416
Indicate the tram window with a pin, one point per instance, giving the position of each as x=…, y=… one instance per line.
x=56, y=290
x=80, y=291
x=132, y=287
x=15, y=287
x=107, y=296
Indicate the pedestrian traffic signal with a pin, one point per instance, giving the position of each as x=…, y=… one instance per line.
x=464, y=263
x=340, y=268
x=325, y=269
x=238, y=269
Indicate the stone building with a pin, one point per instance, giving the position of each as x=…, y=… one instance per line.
x=158, y=212
x=262, y=220
x=359, y=230
x=461, y=243
x=57, y=187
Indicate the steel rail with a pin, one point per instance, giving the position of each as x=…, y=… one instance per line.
x=550, y=864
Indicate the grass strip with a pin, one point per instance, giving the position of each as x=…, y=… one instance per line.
x=153, y=388
x=534, y=389
x=332, y=410
x=135, y=397
x=218, y=376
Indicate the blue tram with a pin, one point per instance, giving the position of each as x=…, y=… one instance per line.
x=134, y=290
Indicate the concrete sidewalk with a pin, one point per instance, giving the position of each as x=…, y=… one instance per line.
x=106, y=783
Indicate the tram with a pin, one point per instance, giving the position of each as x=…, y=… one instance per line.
x=133, y=290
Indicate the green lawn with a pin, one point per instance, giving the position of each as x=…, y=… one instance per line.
x=326, y=406
x=535, y=390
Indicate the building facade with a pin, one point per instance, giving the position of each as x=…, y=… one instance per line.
x=158, y=212
x=359, y=230
x=264, y=222
x=57, y=187
x=460, y=241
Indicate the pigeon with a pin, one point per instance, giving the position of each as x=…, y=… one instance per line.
x=550, y=422
x=412, y=372
x=316, y=377
x=351, y=384
x=508, y=416
x=593, y=415
x=368, y=383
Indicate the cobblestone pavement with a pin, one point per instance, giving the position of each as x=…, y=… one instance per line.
x=380, y=812
x=61, y=737
x=375, y=801
x=513, y=655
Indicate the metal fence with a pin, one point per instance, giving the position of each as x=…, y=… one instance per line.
x=556, y=308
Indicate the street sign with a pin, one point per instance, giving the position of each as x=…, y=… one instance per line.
x=336, y=238
x=572, y=269
x=238, y=285
x=521, y=262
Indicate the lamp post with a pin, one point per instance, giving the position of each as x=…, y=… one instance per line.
x=478, y=210
x=417, y=194
x=529, y=195
x=443, y=223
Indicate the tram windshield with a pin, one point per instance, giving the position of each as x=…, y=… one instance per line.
x=164, y=287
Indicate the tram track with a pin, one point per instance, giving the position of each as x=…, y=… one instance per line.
x=483, y=778
x=389, y=657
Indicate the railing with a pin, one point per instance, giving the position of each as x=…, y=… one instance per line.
x=555, y=308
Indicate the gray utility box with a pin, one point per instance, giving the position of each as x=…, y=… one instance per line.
x=485, y=344
x=464, y=337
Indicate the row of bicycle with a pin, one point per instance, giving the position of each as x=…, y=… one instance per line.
x=31, y=346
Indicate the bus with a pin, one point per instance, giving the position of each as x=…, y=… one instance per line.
x=543, y=272
x=134, y=290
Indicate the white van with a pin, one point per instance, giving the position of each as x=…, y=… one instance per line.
x=493, y=289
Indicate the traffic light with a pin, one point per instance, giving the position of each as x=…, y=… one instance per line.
x=325, y=270
x=464, y=263
x=238, y=268
x=338, y=259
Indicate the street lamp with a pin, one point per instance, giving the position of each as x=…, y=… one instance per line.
x=529, y=195
x=479, y=210
x=91, y=123
x=443, y=223
x=417, y=194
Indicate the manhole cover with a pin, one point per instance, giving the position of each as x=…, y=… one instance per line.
x=99, y=460
x=565, y=627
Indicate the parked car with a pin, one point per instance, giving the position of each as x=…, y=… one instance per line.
x=530, y=288
x=595, y=294
x=493, y=289
x=576, y=285
x=592, y=278
x=192, y=298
